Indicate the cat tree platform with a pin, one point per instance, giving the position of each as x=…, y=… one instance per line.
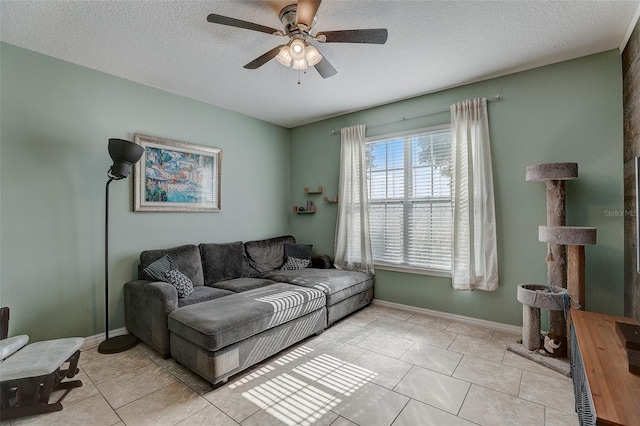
x=567, y=235
x=551, y=171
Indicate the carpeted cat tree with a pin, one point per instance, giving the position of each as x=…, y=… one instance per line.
x=565, y=286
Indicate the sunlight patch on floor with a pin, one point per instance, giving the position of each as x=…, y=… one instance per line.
x=292, y=401
x=335, y=374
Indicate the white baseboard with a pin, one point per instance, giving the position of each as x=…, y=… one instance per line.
x=93, y=341
x=507, y=328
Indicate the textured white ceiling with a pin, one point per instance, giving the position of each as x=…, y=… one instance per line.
x=432, y=45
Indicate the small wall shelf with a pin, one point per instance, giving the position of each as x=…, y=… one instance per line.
x=330, y=199
x=297, y=210
x=309, y=208
x=318, y=190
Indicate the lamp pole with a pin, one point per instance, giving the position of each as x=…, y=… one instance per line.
x=124, y=154
x=106, y=257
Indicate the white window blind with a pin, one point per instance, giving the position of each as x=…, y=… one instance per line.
x=409, y=182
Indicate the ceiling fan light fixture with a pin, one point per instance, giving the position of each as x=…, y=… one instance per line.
x=297, y=49
x=284, y=57
x=312, y=56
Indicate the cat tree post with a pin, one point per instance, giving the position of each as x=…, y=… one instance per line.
x=575, y=273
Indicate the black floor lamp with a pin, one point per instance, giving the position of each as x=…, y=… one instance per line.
x=124, y=154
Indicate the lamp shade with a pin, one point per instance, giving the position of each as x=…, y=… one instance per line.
x=312, y=56
x=283, y=56
x=299, y=64
x=124, y=154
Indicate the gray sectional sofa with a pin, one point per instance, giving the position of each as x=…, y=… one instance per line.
x=243, y=307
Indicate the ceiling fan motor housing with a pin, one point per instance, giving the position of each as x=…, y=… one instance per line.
x=288, y=18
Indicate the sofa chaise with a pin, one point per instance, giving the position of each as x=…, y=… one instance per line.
x=244, y=306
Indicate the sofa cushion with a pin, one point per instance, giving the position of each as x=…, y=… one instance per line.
x=266, y=255
x=221, y=322
x=242, y=284
x=221, y=262
x=337, y=284
x=185, y=259
x=202, y=294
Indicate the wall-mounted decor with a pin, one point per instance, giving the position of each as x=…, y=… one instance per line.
x=176, y=176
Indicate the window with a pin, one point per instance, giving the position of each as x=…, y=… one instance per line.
x=409, y=184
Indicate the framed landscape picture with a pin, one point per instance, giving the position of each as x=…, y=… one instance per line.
x=176, y=176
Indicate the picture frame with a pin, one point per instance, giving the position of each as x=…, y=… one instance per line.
x=175, y=176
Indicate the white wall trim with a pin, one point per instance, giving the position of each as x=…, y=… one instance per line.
x=93, y=341
x=507, y=328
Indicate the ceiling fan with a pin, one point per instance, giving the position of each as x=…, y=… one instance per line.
x=298, y=20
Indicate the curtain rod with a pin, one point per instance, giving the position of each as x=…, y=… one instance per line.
x=411, y=117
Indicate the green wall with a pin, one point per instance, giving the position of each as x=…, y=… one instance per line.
x=55, y=121
x=567, y=112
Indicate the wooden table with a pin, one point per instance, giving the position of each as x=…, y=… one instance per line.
x=613, y=392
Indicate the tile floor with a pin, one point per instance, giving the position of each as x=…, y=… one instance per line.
x=379, y=366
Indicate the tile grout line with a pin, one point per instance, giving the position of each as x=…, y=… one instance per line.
x=463, y=401
x=400, y=412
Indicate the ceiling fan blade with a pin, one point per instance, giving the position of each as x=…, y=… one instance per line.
x=372, y=36
x=261, y=60
x=306, y=11
x=325, y=69
x=232, y=22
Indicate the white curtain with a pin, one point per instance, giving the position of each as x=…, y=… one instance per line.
x=475, y=251
x=353, y=243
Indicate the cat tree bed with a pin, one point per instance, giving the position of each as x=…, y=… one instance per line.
x=533, y=298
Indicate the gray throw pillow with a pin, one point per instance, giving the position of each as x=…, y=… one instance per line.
x=299, y=251
x=180, y=281
x=158, y=268
x=294, y=264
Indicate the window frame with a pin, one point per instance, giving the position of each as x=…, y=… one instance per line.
x=401, y=135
